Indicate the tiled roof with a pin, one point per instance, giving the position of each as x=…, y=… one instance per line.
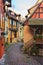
x=35, y=21
x=32, y=9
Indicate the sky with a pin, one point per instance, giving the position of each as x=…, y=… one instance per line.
x=21, y=6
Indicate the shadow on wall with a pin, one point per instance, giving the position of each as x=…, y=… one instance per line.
x=27, y=35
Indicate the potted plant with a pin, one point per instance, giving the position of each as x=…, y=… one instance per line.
x=34, y=50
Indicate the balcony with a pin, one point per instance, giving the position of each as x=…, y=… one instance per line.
x=13, y=30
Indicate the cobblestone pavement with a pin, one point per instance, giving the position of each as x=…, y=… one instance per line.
x=39, y=59
x=14, y=56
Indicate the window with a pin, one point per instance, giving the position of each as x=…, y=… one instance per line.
x=11, y=22
x=39, y=30
x=15, y=34
x=14, y=23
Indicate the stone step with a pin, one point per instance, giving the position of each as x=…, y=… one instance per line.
x=29, y=43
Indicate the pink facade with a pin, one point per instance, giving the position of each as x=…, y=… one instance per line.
x=1, y=7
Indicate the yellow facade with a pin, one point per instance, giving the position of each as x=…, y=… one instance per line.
x=11, y=36
x=2, y=23
x=8, y=30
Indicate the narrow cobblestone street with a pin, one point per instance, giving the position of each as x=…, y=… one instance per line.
x=14, y=56
x=21, y=23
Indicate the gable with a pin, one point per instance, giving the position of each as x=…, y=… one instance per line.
x=38, y=12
